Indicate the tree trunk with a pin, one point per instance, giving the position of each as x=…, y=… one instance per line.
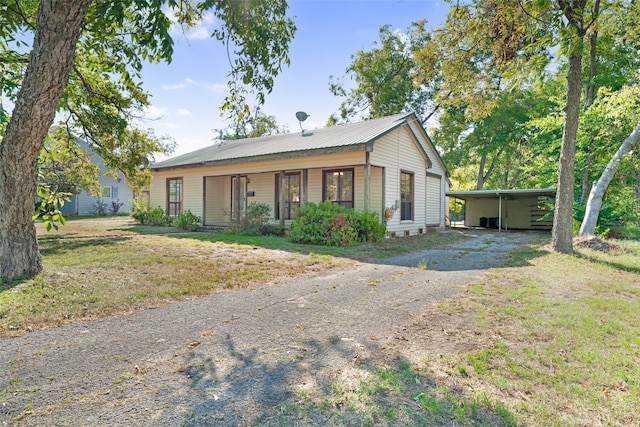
x=58, y=28
x=562, y=235
x=594, y=203
x=589, y=96
x=480, y=181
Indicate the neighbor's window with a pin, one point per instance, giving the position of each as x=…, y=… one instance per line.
x=406, y=196
x=174, y=196
x=106, y=192
x=291, y=195
x=337, y=186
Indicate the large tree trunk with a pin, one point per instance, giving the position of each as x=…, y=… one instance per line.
x=562, y=235
x=58, y=28
x=594, y=203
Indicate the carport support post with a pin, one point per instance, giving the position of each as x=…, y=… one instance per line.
x=499, y=213
x=282, y=197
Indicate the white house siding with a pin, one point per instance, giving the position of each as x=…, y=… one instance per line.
x=398, y=151
x=401, y=149
x=376, y=203
x=434, y=200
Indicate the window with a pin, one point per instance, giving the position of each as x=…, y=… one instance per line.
x=337, y=186
x=106, y=192
x=406, y=196
x=291, y=195
x=174, y=196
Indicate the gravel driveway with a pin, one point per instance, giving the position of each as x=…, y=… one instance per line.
x=228, y=359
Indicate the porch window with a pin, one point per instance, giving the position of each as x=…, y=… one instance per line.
x=406, y=196
x=291, y=195
x=174, y=196
x=337, y=186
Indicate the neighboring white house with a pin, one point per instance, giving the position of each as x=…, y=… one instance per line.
x=113, y=191
x=387, y=165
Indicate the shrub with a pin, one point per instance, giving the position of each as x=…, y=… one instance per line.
x=115, y=206
x=255, y=220
x=330, y=224
x=156, y=216
x=187, y=221
x=100, y=207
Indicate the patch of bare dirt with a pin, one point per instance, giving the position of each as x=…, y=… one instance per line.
x=594, y=243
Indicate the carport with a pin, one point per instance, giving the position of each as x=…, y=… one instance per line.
x=525, y=209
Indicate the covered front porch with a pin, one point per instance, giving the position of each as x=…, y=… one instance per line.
x=226, y=197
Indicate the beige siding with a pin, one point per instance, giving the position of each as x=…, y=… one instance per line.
x=216, y=209
x=314, y=186
x=263, y=185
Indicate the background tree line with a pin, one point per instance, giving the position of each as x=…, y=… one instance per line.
x=524, y=94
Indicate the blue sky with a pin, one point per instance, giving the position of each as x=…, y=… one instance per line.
x=187, y=94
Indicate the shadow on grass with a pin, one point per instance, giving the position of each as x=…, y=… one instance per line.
x=322, y=383
x=58, y=246
x=612, y=264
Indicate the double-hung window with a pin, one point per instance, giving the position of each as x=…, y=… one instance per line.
x=174, y=196
x=406, y=195
x=337, y=186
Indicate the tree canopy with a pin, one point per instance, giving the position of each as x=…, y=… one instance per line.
x=81, y=60
x=527, y=93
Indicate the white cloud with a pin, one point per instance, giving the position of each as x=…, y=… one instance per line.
x=153, y=112
x=183, y=112
x=174, y=87
x=201, y=31
x=204, y=28
x=215, y=87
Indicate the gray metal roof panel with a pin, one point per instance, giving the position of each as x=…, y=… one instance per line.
x=318, y=139
x=482, y=194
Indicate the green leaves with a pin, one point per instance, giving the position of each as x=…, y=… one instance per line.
x=47, y=209
x=384, y=79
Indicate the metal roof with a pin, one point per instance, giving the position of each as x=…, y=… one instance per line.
x=337, y=138
x=513, y=194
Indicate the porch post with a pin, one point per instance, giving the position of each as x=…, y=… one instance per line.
x=367, y=181
x=282, y=196
x=236, y=202
x=304, y=188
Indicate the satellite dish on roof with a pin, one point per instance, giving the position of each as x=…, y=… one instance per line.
x=301, y=116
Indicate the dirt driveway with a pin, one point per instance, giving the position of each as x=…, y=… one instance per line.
x=229, y=359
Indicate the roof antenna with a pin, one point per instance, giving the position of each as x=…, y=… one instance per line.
x=301, y=116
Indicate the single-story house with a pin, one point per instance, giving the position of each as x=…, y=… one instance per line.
x=115, y=193
x=524, y=209
x=387, y=165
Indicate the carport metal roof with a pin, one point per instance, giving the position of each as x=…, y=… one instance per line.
x=510, y=194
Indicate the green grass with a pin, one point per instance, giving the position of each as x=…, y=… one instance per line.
x=553, y=341
x=95, y=267
x=549, y=339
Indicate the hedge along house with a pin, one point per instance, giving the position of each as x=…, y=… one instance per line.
x=387, y=165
